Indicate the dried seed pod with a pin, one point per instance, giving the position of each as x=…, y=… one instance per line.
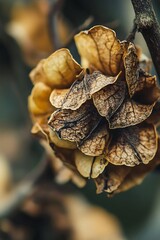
x=101, y=114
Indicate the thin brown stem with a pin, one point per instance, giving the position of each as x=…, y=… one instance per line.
x=16, y=196
x=132, y=34
x=148, y=25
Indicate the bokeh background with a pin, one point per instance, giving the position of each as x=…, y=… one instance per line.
x=29, y=31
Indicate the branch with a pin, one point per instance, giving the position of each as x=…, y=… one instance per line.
x=17, y=195
x=148, y=25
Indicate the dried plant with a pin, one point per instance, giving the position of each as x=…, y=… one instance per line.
x=101, y=113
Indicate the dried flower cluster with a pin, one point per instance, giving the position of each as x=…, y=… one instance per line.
x=102, y=115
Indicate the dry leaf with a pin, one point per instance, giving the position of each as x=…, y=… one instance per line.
x=138, y=173
x=83, y=163
x=130, y=113
x=38, y=101
x=94, y=145
x=115, y=177
x=41, y=130
x=75, y=125
x=83, y=89
x=108, y=99
x=154, y=118
x=37, y=74
x=61, y=69
x=59, y=142
x=112, y=178
x=131, y=64
x=57, y=97
x=132, y=146
x=40, y=96
x=147, y=91
x=100, y=48
x=90, y=166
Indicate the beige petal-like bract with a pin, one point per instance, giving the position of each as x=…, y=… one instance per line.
x=90, y=166
x=40, y=94
x=101, y=49
x=33, y=108
x=131, y=64
x=132, y=146
x=83, y=89
x=75, y=125
x=130, y=113
x=59, y=142
x=57, y=97
x=98, y=166
x=37, y=74
x=38, y=101
x=94, y=145
x=83, y=163
x=108, y=99
x=40, y=127
x=61, y=69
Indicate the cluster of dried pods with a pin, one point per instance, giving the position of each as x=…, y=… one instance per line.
x=102, y=115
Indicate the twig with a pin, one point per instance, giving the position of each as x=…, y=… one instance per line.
x=83, y=26
x=148, y=25
x=17, y=195
x=132, y=34
x=53, y=19
x=53, y=23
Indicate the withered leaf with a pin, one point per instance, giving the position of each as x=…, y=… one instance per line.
x=83, y=163
x=130, y=113
x=61, y=69
x=90, y=166
x=37, y=74
x=53, y=138
x=138, y=173
x=39, y=99
x=57, y=97
x=108, y=99
x=131, y=64
x=83, y=89
x=114, y=176
x=154, y=118
x=100, y=48
x=75, y=125
x=132, y=146
x=94, y=145
x=147, y=91
x=100, y=183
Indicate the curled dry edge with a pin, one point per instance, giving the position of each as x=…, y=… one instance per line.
x=99, y=117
